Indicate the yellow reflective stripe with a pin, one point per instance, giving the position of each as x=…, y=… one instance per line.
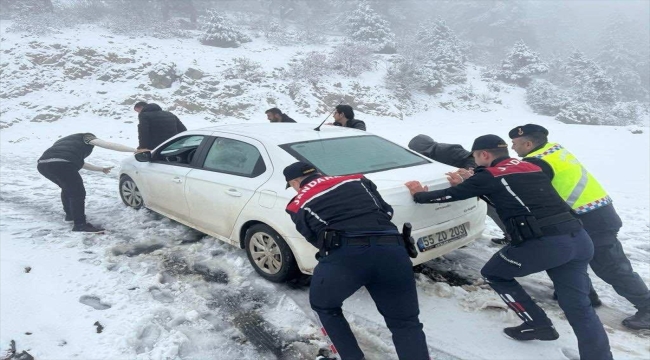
x=572, y=180
x=579, y=187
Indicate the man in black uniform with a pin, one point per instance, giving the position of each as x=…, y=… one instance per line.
x=156, y=126
x=455, y=155
x=344, y=116
x=599, y=217
x=349, y=222
x=276, y=115
x=61, y=164
x=545, y=237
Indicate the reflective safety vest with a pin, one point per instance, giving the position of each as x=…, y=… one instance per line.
x=572, y=181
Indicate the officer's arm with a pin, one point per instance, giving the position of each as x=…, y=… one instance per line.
x=373, y=190
x=546, y=167
x=300, y=219
x=460, y=157
x=477, y=185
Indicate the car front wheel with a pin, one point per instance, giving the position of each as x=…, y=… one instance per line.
x=269, y=254
x=130, y=193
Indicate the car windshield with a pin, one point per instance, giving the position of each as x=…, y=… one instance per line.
x=353, y=155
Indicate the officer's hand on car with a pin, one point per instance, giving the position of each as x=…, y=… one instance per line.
x=454, y=178
x=415, y=187
x=107, y=169
x=465, y=173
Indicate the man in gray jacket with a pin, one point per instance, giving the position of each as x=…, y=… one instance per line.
x=454, y=155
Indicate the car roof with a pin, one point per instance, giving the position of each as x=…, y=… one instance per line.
x=282, y=133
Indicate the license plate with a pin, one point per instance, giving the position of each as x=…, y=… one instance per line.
x=441, y=238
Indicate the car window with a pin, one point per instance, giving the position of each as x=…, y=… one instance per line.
x=234, y=157
x=180, y=151
x=353, y=155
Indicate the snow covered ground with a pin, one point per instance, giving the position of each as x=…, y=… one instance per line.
x=154, y=289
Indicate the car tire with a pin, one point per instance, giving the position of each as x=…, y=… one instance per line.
x=129, y=192
x=269, y=254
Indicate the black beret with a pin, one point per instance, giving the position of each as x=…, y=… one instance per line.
x=298, y=169
x=527, y=129
x=488, y=142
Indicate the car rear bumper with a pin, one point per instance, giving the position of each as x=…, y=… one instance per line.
x=305, y=252
x=476, y=220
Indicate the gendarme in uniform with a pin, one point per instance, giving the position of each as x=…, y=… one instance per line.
x=545, y=237
x=346, y=218
x=593, y=206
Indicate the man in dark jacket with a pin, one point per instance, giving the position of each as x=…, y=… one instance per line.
x=61, y=164
x=454, y=155
x=346, y=218
x=450, y=154
x=276, y=115
x=344, y=116
x=156, y=126
x=595, y=209
x=545, y=237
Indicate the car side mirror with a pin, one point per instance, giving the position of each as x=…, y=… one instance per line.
x=143, y=156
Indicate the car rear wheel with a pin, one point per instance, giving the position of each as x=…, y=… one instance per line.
x=269, y=254
x=130, y=193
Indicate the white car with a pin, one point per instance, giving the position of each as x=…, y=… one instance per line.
x=226, y=181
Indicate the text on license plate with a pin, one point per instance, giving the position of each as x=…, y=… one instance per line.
x=440, y=238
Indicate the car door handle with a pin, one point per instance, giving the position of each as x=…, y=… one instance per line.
x=233, y=192
x=177, y=180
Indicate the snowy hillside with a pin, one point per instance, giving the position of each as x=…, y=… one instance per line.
x=154, y=289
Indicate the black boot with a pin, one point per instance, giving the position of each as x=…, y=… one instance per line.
x=77, y=210
x=638, y=321
x=525, y=332
x=505, y=240
x=88, y=228
x=595, y=300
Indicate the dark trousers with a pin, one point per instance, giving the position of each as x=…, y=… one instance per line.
x=73, y=193
x=565, y=259
x=610, y=262
x=387, y=273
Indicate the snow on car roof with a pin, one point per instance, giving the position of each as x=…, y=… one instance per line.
x=281, y=133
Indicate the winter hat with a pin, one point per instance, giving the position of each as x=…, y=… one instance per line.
x=527, y=129
x=488, y=142
x=421, y=143
x=298, y=169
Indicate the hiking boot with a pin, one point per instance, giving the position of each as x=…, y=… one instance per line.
x=501, y=241
x=638, y=321
x=525, y=332
x=87, y=228
x=593, y=297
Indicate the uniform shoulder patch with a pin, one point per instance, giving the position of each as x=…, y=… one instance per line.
x=512, y=166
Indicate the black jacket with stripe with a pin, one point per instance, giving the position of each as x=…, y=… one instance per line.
x=350, y=204
x=513, y=187
x=72, y=148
